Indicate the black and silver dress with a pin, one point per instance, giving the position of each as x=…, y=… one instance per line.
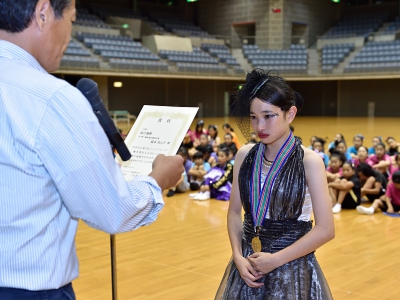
x=288, y=219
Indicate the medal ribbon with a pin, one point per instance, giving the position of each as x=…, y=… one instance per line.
x=261, y=195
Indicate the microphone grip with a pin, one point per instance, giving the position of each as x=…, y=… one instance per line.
x=117, y=141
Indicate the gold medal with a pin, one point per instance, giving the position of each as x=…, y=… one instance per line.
x=256, y=244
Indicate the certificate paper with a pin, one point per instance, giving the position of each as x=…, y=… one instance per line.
x=157, y=130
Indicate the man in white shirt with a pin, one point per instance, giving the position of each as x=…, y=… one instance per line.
x=56, y=164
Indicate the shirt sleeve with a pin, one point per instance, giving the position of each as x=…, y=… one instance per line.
x=389, y=191
x=77, y=154
x=207, y=167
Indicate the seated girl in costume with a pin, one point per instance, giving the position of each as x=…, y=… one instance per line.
x=218, y=181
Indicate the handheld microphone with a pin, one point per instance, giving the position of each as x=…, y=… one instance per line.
x=90, y=90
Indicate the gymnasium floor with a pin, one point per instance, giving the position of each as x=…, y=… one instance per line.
x=183, y=255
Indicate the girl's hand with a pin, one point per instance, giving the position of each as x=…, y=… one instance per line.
x=390, y=210
x=263, y=262
x=248, y=273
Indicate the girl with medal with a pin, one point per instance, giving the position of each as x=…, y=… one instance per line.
x=279, y=183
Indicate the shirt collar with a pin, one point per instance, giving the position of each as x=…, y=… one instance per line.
x=11, y=51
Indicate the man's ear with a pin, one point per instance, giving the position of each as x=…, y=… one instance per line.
x=43, y=13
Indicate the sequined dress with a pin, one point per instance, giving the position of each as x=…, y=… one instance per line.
x=286, y=222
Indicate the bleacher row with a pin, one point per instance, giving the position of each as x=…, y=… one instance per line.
x=89, y=50
x=376, y=56
x=332, y=55
x=294, y=60
x=362, y=25
x=126, y=54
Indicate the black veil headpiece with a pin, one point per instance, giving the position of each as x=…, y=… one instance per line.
x=269, y=87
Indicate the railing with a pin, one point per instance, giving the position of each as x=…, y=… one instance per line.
x=172, y=70
x=337, y=36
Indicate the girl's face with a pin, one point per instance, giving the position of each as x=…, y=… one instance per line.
x=203, y=140
x=211, y=131
x=199, y=128
x=312, y=140
x=341, y=148
x=357, y=142
x=380, y=151
x=226, y=129
x=375, y=141
x=392, y=143
x=269, y=122
x=362, y=153
x=335, y=163
x=338, y=137
x=199, y=161
x=222, y=158
x=228, y=139
x=317, y=146
x=347, y=171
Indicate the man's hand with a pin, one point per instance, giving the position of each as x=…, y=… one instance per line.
x=167, y=170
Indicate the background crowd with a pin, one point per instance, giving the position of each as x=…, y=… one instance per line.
x=357, y=173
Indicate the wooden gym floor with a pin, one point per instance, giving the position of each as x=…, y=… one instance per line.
x=183, y=255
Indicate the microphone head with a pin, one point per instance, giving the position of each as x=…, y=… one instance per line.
x=88, y=88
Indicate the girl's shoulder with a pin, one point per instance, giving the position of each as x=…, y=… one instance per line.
x=241, y=154
x=311, y=158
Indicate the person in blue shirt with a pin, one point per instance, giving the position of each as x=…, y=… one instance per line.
x=198, y=170
x=357, y=142
x=338, y=138
x=375, y=141
x=342, y=148
x=56, y=163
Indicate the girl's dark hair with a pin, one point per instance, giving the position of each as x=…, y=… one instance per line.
x=214, y=127
x=270, y=88
x=366, y=149
x=183, y=151
x=340, y=142
x=17, y=15
x=365, y=169
x=228, y=134
x=199, y=124
x=224, y=150
x=396, y=177
x=350, y=164
x=226, y=125
x=339, y=155
x=361, y=137
x=205, y=149
x=381, y=144
x=319, y=140
x=390, y=138
x=198, y=154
